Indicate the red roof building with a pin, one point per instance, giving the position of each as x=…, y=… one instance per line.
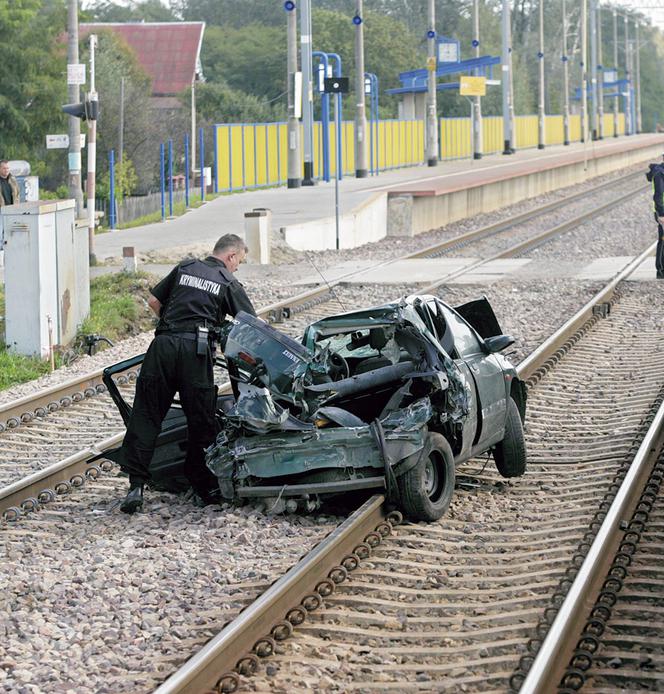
x=168, y=51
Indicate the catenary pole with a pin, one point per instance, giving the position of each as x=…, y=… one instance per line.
x=584, y=70
x=477, y=100
x=628, y=79
x=307, y=93
x=73, y=95
x=506, y=65
x=294, y=153
x=121, y=127
x=593, y=70
x=540, y=100
x=92, y=153
x=600, y=76
x=616, y=100
x=565, y=60
x=360, y=108
x=432, y=107
x=637, y=50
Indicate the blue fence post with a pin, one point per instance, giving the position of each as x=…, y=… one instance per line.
x=201, y=149
x=186, y=170
x=216, y=161
x=170, y=178
x=162, y=182
x=111, y=193
x=338, y=109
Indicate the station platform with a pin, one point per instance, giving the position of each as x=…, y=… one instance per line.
x=399, y=202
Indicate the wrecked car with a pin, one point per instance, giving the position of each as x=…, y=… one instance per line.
x=390, y=398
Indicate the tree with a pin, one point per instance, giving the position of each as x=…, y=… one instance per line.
x=146, y=11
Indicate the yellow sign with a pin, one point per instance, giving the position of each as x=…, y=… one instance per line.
x=431, y=64
x=472, y=86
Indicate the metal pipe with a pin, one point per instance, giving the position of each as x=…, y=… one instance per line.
x=73, y=95
x=307, y=93
x=584, y=71
x=616, y=101
x=637, y=50
x=293, y=127
x=325, y=114
x=600, y=76
x=338, y=114
x=593, y=70
x=477, y=100
x=541, y=128
x=360, y=108
x=565, y=61
x=92, y=153
x=431, y=128
x=629, y=124
x=506, y=68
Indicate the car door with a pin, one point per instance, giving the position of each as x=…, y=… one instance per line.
x=487, y=375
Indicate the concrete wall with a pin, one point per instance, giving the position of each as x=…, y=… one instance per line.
x=366, y=223
x=409, y=215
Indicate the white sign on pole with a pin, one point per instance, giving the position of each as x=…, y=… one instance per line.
x=297, y=94
x=57, y=141
x=76, y=73
x=448, y=52
x=610, y=76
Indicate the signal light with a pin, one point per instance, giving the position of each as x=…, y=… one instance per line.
x=86, y=110
x=289, y=5
x=357, y=20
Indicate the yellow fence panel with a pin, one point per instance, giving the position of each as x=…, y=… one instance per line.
x=553, y=130
x=249, y=155
x=492, y=134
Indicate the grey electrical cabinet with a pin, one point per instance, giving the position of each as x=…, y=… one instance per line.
x=47, y=275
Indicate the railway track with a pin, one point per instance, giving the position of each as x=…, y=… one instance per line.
x=464, y=604
x=359, y=544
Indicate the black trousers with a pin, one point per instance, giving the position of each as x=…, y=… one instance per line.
x=171, y=365
x=659, y=251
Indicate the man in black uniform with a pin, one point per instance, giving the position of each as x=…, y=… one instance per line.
x=191, y=300
x=656, y=176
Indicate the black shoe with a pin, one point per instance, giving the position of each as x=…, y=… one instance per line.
x=660, y=275
x=202, y=498
x=133, y=501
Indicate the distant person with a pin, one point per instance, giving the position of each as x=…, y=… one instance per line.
x=193, y=298
x=9, y=194
x=656, y=176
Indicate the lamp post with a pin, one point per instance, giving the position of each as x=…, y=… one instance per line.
x=360, y=110
x=477, y=100
x=307, y=88
x=600, y=76
x=506, y=67
x=293, y=127
x=540, y=100
x=565, y=61
x=432, y=107
x=616, y=101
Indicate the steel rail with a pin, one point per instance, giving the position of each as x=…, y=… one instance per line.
x=561, y=639
x=527, y=370
x=217, y=658
x=24, y=409
x=534, y=241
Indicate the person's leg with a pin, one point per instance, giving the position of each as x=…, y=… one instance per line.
x=659, y=252
x=154, y=394
x=198, y=399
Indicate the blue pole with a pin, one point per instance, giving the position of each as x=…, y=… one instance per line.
x=201, y=149
x=170, y=178
x=186, y=170
x=338, y=106
x=111, y=193
x=325, y=116
x=216, y=163
x=161, y=177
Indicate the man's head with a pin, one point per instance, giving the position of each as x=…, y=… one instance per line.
x=4, y=168
x=230, y=249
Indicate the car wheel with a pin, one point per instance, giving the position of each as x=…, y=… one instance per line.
x=510, y=453
x=426, y=489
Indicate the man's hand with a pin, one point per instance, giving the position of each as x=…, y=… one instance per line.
x=154, y=304
x=660, y=220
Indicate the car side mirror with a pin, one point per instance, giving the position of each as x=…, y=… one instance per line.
x=498, y=343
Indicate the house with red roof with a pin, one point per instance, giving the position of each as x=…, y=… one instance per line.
x=168, y=51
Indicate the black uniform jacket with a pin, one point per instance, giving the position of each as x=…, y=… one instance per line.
x=199, y=292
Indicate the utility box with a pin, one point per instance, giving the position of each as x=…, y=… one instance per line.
x=46, y=275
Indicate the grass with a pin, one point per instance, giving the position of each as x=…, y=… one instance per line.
x=118, y=309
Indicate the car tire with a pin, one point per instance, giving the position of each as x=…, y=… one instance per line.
x=426, y=489
x=510, y=453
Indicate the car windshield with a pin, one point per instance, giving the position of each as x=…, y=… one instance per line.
x=354, y=344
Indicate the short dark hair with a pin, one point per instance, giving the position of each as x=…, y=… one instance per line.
x=230, y=242
x=4, y=161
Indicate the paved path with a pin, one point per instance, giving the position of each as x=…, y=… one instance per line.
x=225, y=214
